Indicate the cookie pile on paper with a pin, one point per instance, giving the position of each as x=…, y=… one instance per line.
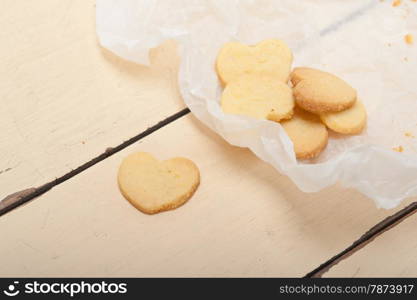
x=255, y=80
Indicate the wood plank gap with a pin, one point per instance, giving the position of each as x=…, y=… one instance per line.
x=365, y=239
x=18, y=198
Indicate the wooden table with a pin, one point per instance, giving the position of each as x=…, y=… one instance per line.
x=68, y=106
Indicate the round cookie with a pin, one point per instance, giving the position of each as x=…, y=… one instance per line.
x=153, y=186
x=270, y=58
x=323, y=94
x=349, y=121
x=307, y=133
x=302, y=73
x=260, y=98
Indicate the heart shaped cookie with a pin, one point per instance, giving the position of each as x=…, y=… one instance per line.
x=349, y=121
x=270, y=58
x=154, y=186
x=260, y=98
x=321, y=92
x=307, y=133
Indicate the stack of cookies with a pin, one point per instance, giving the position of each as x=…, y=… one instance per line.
x=256, y=85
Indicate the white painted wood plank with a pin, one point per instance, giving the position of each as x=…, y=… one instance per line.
x=63, y=99
x=244, y=220
x=392, y=254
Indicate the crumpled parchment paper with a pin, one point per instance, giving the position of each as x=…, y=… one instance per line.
x=361, y=41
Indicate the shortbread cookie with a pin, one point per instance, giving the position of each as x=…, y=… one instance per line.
x=260, y=98
x=153, y=186
x=270, y=58
x=307, y=133
x=302, y=73
x=323, y=94
x=349, y=121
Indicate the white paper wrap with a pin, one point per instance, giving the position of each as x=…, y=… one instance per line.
x=361, y=41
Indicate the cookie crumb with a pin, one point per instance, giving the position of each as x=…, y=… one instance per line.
x=409, y=39
x=396, y=3
x=409, y=134
x=398, y=149
x=405, y=58
x=83, y=142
